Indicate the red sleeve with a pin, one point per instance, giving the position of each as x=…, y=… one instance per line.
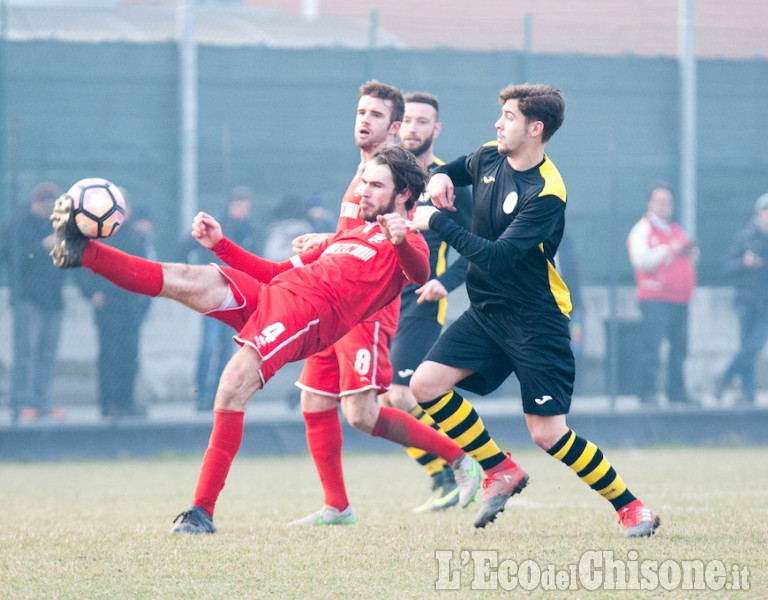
x=413, y=256
x=242, y=260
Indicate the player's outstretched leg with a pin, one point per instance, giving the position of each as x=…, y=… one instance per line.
x=68, y=242
x=193, y=520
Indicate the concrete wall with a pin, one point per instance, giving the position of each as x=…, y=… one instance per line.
x=171, y=334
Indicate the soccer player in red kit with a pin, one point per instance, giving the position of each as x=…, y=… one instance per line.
x=282, y=312
x=355, y=369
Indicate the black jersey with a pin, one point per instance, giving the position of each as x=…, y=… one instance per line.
x=517, y=223
x=451, y=276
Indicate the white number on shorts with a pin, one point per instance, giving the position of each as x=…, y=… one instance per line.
x=363, y=361
x=271, y=332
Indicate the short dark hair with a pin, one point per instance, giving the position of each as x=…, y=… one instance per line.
x=538, y=102
x=376, y=89
x=423, y=98
x=407, y=173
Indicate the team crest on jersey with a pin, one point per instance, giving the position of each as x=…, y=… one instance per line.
x=510, y=202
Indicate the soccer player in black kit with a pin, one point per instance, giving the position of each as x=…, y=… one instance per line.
x=519, y=307
x=423, y=307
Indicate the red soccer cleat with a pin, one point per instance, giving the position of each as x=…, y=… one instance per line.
x=638, y=520
x=497, y=489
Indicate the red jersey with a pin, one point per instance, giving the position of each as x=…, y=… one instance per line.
x=349, y=218
x=347, y=278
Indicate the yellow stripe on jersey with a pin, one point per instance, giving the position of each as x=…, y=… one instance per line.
x=560, y=291
x=491, y=144
x=553, y=181
x=440, y=267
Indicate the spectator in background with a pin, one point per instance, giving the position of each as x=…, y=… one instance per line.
x=37, y=304
x=664, y=260
x=119, y=316
x=319, y=216
x=287, y=221
x=746, y=265
x=216, y=345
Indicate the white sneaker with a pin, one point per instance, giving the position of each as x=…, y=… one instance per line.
x=468, y=478
x=328, y=515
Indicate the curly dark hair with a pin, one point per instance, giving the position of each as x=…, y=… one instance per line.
x=538, y=102
x=406, y=172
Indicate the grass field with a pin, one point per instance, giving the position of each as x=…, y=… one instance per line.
x=92, y=530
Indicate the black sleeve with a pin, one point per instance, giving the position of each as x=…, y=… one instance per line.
x=534, y=223
x=456, y=273
x=457, y=170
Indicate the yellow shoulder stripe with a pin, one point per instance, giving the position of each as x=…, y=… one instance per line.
x=553, y=181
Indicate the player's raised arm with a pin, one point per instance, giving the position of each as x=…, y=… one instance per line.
x=413, y=257
x=441, y=191
x=206, y=230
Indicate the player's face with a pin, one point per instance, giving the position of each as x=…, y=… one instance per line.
x=373, y=126
x=419, y=128
x=513, y=130
x=378, y=195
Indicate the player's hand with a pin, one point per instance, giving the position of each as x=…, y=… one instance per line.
x=441, y=191
x=206, y=230
x=421, y=217
x=308, y=241
x=432, y=291
x=393, y=226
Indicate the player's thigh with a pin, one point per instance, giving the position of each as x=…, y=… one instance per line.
x=472, y=352
x=410, y=345
x=319, y=378
x=433, y=379
x=546, y=383
x=363, y=358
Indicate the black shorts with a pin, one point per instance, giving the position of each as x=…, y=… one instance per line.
x=495, y=344
x=410, y=345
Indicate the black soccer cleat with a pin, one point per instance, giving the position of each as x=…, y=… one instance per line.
x=68, y=242
x=193, y=520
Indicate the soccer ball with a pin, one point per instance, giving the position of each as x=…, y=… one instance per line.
x=99, y=207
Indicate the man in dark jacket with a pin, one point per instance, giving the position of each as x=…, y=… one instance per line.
x=36, y=298
x=746, y=264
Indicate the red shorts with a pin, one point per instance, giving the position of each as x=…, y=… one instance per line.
x=282, y=327
x=357, y=362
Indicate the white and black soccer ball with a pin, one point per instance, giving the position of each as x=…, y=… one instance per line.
x=99, y=207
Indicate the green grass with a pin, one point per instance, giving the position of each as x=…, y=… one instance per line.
x=92, y=530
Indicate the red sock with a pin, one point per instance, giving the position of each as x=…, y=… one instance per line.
x=129, y=272
x=398, y=426
x=224, y=443
x=324, y=443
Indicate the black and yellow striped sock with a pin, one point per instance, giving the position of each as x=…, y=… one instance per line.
x=431, y=462
x=458, y=419
x=588, y=462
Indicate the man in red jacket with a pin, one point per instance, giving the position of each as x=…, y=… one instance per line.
x=664, y=260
